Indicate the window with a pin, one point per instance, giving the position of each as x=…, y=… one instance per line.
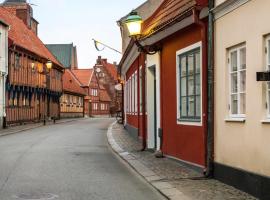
x=189, y=84
x=237, y=80
x=94, y=92
x=17, y=61
x=140, y=88
x=268, y=68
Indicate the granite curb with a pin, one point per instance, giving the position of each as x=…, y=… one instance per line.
x=164, y=187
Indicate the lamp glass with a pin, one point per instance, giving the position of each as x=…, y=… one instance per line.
x=40, y=67
x=134, y=28
x=49, y=65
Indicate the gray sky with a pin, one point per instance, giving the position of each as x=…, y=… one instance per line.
x=78, y=21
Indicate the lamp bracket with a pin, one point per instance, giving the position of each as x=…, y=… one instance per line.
x=150, y=50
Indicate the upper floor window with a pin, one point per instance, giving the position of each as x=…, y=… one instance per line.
x=189, y=84
x=268, y=68
x=237, y=81
x=17, y=61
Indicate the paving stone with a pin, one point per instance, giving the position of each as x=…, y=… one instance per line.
x=188, y=182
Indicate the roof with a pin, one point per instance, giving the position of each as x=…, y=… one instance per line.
x=21, y=36
x=167, y=13
x=104, y=96
x=83, y=75
x=63, y=53
x=14, y=1
x=71, y=84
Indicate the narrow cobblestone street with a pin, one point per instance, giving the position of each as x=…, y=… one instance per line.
x=187, y=181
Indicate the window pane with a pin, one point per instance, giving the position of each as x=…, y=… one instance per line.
x=191, y=106
x=198, y=84
x=234, y=104
x=234, y=61
x=198, y=106
x=243, y=103
x=184, y=86
x=184, y=106
x=242, y=81
x=183, y=66
x=198, y=62
x=234, y=85
x=190, y=64
x=243, y=58
x=190, y=85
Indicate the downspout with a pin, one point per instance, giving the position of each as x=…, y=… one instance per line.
x=208, y=42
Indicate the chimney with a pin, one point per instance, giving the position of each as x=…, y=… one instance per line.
x=99, y=60
x=24, y=11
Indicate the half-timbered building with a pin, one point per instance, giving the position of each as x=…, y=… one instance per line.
x=72, y=100
x=34, y=82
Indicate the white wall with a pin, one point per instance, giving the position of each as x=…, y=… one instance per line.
x=3, y=69
x=243, y=145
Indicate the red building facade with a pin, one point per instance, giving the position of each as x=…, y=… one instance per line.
x=166, y=93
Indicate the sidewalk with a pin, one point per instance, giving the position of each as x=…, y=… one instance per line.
x=21, y=128
x=169, y=177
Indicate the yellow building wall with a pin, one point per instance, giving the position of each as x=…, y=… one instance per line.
x=71, y=103
x=243, y=145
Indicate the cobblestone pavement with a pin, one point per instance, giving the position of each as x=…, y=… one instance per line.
x=187, y=181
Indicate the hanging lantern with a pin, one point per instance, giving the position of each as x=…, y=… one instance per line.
x=40, y=67
x=49, y=65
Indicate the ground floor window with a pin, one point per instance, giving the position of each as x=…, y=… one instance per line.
x=237, y=81
x=189, y=84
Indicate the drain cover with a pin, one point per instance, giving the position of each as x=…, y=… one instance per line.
x=36, y=197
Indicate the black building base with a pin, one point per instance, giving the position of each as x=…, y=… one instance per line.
x=254, y=184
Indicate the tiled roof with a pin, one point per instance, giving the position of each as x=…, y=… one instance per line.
x=71, y=84
x=104, y=96
x=63, y=53
x=21, y=36
x=168, y=12
x=83, y=75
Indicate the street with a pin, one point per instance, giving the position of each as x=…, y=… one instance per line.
x=69, y=161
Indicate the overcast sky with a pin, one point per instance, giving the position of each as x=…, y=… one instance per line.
x=78, y=21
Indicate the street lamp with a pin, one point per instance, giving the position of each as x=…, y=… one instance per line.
x=134, y=24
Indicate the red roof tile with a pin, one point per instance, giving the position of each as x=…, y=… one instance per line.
x=71, y=84
x=83, y=75
x=167, y=13
x=22, y=36
x=104, y=96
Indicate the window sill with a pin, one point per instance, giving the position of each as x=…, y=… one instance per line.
x=240, y=120
x=265, y=121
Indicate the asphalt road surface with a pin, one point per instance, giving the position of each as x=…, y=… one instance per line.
x=69, y=161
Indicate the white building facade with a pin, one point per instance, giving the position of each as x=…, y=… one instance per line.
x=3, y=69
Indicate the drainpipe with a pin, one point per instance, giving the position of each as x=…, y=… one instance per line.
x=210, y=87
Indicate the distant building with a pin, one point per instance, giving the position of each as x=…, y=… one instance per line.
x=106, y=74
x=97, y=101
x=65, y=54
x=3, y=69
x=72, y=100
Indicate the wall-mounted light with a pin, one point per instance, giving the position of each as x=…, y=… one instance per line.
x=134, y=24
x=49, y=65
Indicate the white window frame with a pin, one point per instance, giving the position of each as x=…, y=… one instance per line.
x=238, y=115
x=267, y=46
x=136, y=92
x=132, y=94
x=178, y=54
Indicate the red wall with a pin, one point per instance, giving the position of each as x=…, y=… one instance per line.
x=181, y=141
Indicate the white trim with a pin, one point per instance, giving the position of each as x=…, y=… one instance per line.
x=235, y=119
x=236, y=49
x=182, y=51
x=265, y=121
x=227, y=7
x=267, y=66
